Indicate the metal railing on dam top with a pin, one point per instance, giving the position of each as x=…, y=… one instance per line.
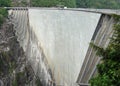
x=101, y=11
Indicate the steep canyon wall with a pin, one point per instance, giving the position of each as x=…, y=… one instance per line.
x=30, y=45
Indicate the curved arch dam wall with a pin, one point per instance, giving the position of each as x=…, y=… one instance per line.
x=55, y=41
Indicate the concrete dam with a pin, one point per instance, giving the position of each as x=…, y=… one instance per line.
x=56, y=42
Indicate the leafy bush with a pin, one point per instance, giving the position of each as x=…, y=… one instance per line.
x=53, y=3
x=106, y=4
x=5, y=3
x=109, y=69
x=38, y=82
x=3, y=14
x=1, y=19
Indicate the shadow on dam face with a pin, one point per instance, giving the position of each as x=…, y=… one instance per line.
x=63, y=36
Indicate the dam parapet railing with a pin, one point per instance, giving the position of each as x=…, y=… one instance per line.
x=92, y=10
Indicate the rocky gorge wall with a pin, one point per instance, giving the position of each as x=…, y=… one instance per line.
x=15, y=70
x=29, y=43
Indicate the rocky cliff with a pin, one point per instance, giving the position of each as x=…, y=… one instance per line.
x=15, y=70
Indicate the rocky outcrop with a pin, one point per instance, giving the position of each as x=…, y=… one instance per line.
x=14, y=68
x=31, y=46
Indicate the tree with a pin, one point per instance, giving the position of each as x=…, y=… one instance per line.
x=53, y=3
x=82, y=3
x=109, y=69
x=111, y=4
x=3, y=14
x=5, y=3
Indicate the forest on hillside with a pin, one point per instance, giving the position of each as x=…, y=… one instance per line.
x=101, y=4
x=107, y=4
x=53, y=3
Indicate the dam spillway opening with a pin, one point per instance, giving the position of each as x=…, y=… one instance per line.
x=55, y=41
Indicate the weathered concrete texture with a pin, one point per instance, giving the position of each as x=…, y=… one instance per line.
x=29, y=43
x=101, y=38
x=64, y=36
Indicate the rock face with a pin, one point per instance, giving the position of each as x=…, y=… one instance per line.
x=14, y=68
x=28, y=41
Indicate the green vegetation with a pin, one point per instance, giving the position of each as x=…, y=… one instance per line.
x=102, y=4
x=19, y=3
x=1, y=19
x=109, y=68
x=20, y=79
x=4, y=3
x=107, y=4
x=38, y=82
x=7, y=65
x=3, y=14
x=53, y=3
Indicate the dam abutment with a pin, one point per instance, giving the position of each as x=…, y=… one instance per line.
x=30, y=45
